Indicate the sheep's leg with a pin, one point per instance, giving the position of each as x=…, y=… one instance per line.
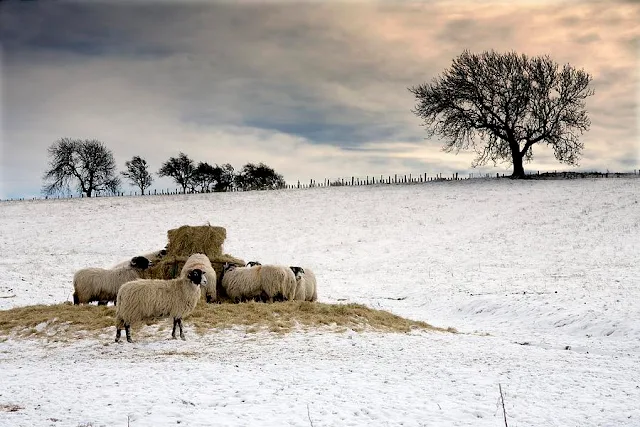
x=118, y=333
x=176, y=322
x=127, y=330
x=76, y=300
x=181, y=333
x=102, y=302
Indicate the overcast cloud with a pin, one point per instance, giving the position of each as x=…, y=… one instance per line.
x=314, y=90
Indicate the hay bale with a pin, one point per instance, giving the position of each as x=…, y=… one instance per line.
x=188, y=240
x=170, y=266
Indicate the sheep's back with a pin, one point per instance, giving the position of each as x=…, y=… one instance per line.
x=311, y=290
x=151, y=298
x=102, y=284
x=242, y=282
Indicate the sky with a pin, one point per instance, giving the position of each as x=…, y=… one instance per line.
x=313, y=89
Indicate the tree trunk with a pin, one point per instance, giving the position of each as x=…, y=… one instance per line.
x=516, y=157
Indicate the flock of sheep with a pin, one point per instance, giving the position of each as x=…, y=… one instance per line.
x=137, y=298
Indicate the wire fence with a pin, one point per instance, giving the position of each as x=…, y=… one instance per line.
x=355, y=181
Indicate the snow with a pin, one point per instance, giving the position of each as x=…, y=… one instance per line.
x=541, y=278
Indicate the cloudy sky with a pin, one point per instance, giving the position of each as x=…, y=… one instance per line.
x=313, y=89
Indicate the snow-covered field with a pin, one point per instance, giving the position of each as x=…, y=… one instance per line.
x=548, y=269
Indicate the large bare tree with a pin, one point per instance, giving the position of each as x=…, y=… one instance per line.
x=501, y=104
x=138, y=173
x=87, y=163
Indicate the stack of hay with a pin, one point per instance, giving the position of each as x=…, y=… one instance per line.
x=188, y=240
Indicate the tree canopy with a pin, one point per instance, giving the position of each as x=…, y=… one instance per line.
x=138, y=173
x=502, y=104
x=258, y=177
x=87, y=164
x=181, y=169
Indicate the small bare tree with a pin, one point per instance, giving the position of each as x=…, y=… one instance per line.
x=138, y=173
x=181, y=169
x=510, y=102
x=86, y=163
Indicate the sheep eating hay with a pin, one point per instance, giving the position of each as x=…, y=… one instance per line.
x=153, y=258
x=202, y=262
x=102, y=285
x=258, y=280
x=306, y=287
x=152, y=298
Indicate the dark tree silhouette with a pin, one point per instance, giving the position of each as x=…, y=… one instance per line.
x=225, y=177
x=510, y=102
x=87, y=164
x=258, y=177
x=138, y=173
x=204, y=177
x=181, y=169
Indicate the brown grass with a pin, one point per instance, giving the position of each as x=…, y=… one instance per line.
x=67, y=319
x=187, y=240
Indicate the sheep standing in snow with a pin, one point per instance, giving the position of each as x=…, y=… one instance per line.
x=101, y=284
x=203, y=262
x=256, y=280
x=305, y=284
x=153, y=298
x=153, y=257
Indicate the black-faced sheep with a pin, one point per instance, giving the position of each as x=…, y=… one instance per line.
x=101, y=284
x=203, y=262
x=153, y=257
x=152, y=298
x=306, y=285
x=256, y=281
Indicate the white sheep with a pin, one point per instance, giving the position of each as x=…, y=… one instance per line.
x=306, y=285
x=258, y=281
x=144, y=299
x=203, y=262
x=101, y=284
x=153, y=257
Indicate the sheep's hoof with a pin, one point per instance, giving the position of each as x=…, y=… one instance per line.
x=173, y=337
x=182, y=338
x=129, y=340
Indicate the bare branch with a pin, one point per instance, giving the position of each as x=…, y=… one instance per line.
x=86, y=163
x=501, y=104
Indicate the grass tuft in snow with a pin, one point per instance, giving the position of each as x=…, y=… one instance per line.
x=46, y=320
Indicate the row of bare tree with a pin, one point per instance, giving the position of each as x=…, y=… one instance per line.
x=89, y=166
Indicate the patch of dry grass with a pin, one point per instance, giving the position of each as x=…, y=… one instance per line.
x=68, y=319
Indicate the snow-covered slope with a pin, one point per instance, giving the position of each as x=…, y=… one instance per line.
x=548, y=268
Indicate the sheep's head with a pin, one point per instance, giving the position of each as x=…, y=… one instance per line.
x=297, y=271
x=140, y=262
x=228, y=267
x=197, y=277
x=253, y=263
x=162, y=252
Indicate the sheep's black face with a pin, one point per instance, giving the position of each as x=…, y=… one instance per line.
x=253, y=263
x=140, y=262
x=197, y=277
x=297, y=271
x=228, y=267
x=163, y=252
